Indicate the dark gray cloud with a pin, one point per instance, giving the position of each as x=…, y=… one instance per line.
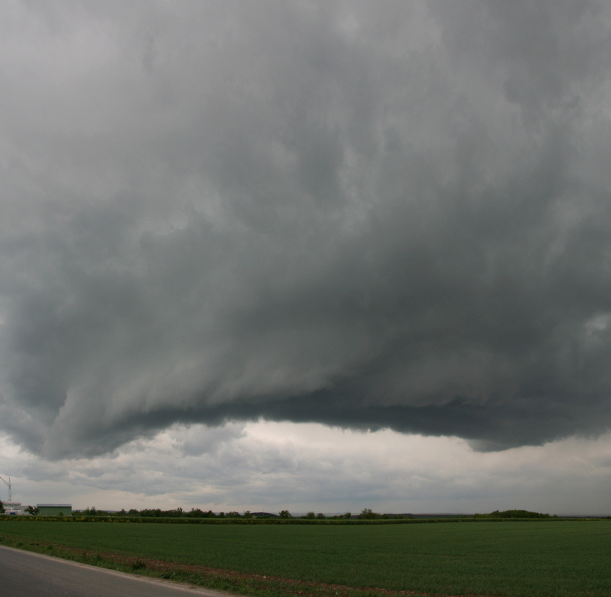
x=361, y=214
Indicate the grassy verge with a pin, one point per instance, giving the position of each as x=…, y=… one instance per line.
x=521, y=559
x=239, y=583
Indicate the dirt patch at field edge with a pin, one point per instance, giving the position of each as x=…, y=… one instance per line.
x=230, y=580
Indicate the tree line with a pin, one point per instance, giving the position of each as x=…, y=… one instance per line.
x=514, y=514
x=366, y=514
x=199, y=513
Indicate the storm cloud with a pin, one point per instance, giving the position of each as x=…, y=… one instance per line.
x=362, y=214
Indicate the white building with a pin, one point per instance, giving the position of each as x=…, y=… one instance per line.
x=14, y=508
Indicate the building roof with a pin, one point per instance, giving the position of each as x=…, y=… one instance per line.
x=54, y=505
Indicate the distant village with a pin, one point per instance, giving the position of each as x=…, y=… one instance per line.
x=12, y=508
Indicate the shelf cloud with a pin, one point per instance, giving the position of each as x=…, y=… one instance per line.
x=367, y=215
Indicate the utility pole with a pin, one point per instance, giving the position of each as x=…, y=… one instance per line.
x=10, y=497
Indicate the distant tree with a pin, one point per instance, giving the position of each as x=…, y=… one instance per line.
x=519, y=514
x=232, y=515
x=1, y=507
x=247, y=514
x=368, y=514
x=348, y=515
x=31, y=510
x=285, y=514
x=310, y=515
x=148, y=512
x=320, y=515
x=512, y=514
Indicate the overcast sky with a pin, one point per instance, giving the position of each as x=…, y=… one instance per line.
x=309, y=255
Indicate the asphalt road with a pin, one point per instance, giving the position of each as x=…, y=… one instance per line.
x=25, y=574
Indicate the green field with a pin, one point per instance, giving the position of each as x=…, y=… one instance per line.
x=541, y=558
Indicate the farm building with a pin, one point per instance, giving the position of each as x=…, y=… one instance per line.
x=54, y=509
x=13, y=508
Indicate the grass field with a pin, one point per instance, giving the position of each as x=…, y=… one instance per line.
x=545, y=559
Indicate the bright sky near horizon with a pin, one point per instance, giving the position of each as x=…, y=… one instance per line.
x=306, y=255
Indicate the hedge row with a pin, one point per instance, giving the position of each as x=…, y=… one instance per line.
x=153, y=520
